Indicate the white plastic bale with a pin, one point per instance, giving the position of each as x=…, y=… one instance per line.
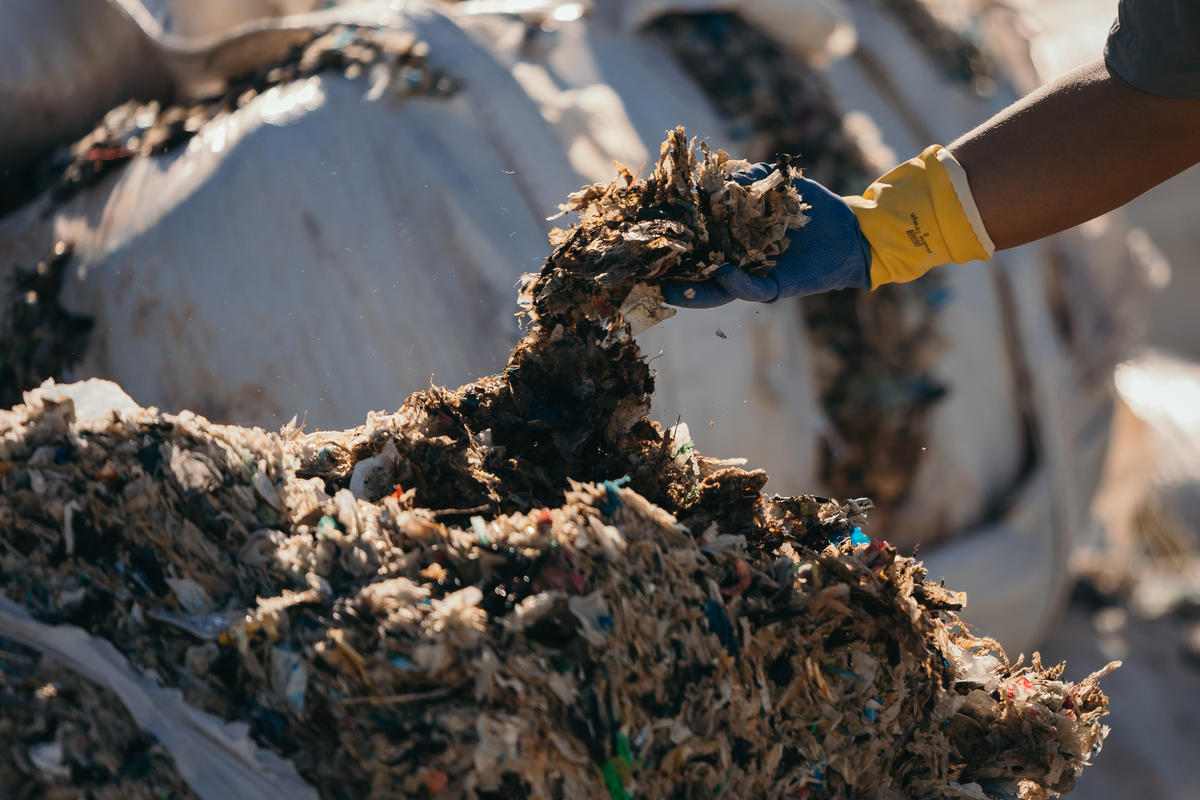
x=815, y=29
x=1014, y=569
x=608, y=94
x=63, y=63
x=315, y=253
x=208, y=17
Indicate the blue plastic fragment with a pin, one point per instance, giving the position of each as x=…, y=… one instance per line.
x=939, y=297
x=605, y=622
x=345, y=38
x=719, y=624
x=858, y=537
x=612, y=495
x=841, y=673
x=871, y=714
x=208, y=627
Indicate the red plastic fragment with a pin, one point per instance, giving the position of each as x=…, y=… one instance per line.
x=436, y=781
x=101, y=153
x=743, y=582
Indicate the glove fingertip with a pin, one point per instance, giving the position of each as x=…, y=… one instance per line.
x=690, y=294
x=744, y=286
x=752, y=173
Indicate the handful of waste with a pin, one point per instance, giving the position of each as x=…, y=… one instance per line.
x=519, y=588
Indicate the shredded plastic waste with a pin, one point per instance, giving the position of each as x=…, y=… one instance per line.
x=65, y=737
x=39, y=337
x=533, y=591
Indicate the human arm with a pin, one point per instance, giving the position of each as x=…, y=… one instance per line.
x=1077, y=148
x=1073, y=150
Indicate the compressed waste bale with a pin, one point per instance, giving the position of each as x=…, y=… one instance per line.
x=525, y=588
x=395, y=60
x=342, y=190
x=62, y=63
x=959, y=58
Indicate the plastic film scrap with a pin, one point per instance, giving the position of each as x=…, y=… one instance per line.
x=525, y=588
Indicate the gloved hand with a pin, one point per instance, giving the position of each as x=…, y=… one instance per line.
x=830, y=252
x=921, y=214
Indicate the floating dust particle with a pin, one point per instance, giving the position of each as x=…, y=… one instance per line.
x=608, y=609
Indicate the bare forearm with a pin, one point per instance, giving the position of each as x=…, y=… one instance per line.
x=1077, y=148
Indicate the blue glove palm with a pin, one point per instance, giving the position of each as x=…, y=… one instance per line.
x=828, y=253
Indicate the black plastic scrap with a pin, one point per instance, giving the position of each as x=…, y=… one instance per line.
x=524, y=587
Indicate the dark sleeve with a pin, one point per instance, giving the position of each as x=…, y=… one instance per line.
x=1155, y=46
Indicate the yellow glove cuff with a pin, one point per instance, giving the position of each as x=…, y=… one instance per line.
x=918, y=216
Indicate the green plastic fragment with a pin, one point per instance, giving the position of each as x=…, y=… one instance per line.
x=612, y=780
x=687, y=448
x=623, y=748
x=326, y=526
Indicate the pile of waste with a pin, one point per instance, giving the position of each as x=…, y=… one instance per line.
x=874, y=353
x=39, y=337
x=64, y=737
x=524, y=587
x=393, y=61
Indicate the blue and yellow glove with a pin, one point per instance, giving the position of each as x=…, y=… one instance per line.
x=918, y=216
